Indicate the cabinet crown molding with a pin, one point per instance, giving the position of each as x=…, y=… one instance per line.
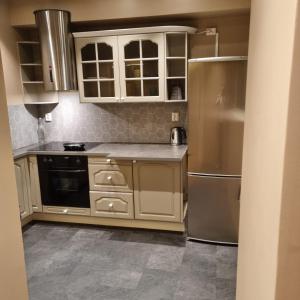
x=126, y=31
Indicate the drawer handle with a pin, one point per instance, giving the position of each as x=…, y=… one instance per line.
x=110, y=205
x=109, y=178
x=65, y=211
x=108, y=160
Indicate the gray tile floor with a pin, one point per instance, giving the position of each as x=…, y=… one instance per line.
x=74, y=262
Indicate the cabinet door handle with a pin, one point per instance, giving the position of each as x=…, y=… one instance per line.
x=108, y=160
x=109, y=178
x=111, y=205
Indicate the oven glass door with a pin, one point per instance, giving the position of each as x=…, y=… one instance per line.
x=66, y=188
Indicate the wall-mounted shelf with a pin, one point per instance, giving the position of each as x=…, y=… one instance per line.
x=31, y=72
x=176, y=66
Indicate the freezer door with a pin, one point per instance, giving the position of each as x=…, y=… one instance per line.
x=216, y=117
x=213, y=208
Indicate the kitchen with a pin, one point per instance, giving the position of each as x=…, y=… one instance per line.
x=116, y=155
x=127, y=138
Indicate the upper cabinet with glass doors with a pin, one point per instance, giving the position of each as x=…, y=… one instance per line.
x=98, y=69
x=133, y=65
x=141, y=63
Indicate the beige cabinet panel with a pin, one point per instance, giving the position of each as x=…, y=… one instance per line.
x=110, y=177
x=22, y=179
x=158, y=191
x=110, y=204
x=35, y=192
x=80, y=211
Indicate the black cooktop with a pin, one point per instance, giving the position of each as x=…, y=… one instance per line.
x=72, y=146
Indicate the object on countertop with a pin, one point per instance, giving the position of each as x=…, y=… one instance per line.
x=178, y=136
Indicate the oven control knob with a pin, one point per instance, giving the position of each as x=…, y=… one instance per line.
x=50, y=160
x=78, y=161
x=45, y=159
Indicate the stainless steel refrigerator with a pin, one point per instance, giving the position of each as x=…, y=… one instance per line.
x=215, y=141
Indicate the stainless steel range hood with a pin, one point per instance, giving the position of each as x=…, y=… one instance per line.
x=57, y=46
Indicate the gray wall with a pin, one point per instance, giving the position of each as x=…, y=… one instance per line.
x=23, y=125
x=75, y=121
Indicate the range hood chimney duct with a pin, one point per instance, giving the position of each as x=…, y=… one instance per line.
x=57, y=46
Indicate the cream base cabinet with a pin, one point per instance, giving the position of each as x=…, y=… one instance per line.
x=111, y=188
x=23, y=183
x=158, y=191
x=35, y=192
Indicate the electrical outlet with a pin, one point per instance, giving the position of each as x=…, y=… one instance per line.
x=48, y=117
x=175, y=116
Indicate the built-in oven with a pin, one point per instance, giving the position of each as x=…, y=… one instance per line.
x=64, y=180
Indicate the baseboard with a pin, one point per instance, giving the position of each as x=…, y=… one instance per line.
x=159, y=225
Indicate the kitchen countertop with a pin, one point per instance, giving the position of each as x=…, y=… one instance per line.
x=124, y=151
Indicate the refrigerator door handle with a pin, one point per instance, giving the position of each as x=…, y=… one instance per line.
x=239, y=193
x=213, y=175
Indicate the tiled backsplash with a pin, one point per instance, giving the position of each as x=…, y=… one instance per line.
x=125, y=122
x=23, y=125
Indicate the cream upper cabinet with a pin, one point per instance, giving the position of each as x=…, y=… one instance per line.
x=146, y=64
x=141, y=59
x=22, y=179
x=98, y=69
x=35, y=193
x=158, y=191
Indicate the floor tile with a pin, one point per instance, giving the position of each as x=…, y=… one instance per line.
x=227, y=254
x=192, y=287
x=121, y=279
x=226, y=270
x=47, y=287
x=167, y=258
x=226, y=262
x=156, y=285
x=75, y=262
x=225, y=289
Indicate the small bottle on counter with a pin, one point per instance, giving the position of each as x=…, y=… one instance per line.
x=41, y=131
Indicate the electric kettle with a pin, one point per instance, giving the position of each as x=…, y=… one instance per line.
x=178, y=136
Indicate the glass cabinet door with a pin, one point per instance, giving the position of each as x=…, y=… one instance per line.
x=98, y=69
x=141, y=60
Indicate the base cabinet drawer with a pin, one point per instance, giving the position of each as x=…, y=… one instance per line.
x=80, y=211
x=112, y=205
x=110, y=178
